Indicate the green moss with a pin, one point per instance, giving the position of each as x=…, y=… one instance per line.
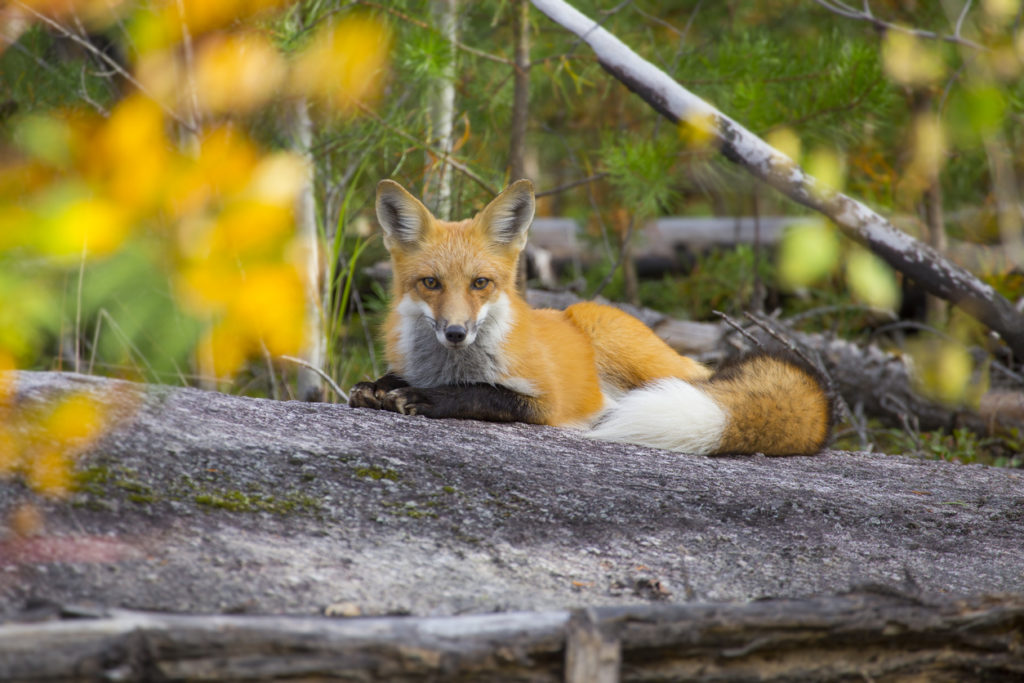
x=237, y=501
x=376, y=473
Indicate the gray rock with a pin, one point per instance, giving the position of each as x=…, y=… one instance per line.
x=203, y=502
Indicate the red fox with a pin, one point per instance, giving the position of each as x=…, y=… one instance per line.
x=462, y=343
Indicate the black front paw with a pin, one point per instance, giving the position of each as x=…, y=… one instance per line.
x=366, y=395
x=408, y=401
x=371, y=394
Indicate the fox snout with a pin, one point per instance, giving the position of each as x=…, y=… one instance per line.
x=455, y=335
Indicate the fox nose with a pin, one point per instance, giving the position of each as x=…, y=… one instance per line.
x=455, y=334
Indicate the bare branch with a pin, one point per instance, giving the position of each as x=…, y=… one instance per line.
x=107, y=59
x=324, y=375
x=458, y=165
x=844, y=10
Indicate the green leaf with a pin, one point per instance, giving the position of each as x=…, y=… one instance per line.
x=809, y=251
x=872, y=281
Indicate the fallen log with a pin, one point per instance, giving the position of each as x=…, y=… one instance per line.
x=851, y=637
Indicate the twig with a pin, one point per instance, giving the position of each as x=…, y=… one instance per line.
x=844, y=10
x=424, y=25
x=739, y=328
x=324, y=375
x=64, y=31
x=458, y=165
x=575, y=183
x=802, y=353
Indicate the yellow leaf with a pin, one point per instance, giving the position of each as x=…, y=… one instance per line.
x=279, y=178
x=1002, y=11
x=96, y=227
x=345, y=62
x=254, y=226
x=75, y=421
x=929, y=146
x=49, y=472
x=909, y=61
x=131, y=153
x=698, y=131
x=237, y=72
x=942, y=369
x=223, y=351
x=872, y=281
x=808, y=252
x=828, y=169
x=270, y=307
x=786, y=141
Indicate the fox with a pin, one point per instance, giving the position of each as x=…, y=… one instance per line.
x=462, y=342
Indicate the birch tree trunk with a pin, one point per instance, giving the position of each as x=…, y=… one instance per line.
x=856, y=220
x=438, y=191
x=520, y=108
x=309, y=384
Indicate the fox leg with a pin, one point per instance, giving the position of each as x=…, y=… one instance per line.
x=371, y=394
x=489, y=402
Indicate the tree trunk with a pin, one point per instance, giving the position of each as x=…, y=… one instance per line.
x=520, y=107
x=309, y=384
x=914, y=259
x=438, y=190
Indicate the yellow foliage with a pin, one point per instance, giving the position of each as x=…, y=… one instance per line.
x=698, y=131
x=270, y=307
x=786, y=141
x=42, y=443
x=809, y=251
x=344, y=64
x=871, y=280
x=237, y=72
x=93, y=227
x=929, y=146
x=1002, y=11
x=130, y=154
x=942, y=370
x=910, y=61
x=828, y=169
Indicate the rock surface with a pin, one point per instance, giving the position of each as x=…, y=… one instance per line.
x=203, y=502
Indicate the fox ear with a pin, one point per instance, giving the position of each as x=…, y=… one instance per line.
x=403, y=217
x=508, y=216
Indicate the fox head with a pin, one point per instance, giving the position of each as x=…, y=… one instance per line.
x=454, y=276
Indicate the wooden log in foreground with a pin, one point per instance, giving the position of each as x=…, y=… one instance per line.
x=855, y=637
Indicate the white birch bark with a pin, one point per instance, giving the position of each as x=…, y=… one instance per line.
x=309, y=383
x=442, y=112
x=857, y=221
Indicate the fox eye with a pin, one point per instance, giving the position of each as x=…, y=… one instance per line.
x=480, y=283
x=431, y=283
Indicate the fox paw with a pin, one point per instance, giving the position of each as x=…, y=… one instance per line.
x=366, y=395
x=407, y=401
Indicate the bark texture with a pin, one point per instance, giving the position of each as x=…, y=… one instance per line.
x=857, y=637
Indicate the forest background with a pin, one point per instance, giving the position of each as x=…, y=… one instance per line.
x=186, y=187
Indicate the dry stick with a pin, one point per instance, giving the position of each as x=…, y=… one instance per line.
x=845, y=10
x=739, y=328
x=815, y=362
x=318, y=371
x=571, y=185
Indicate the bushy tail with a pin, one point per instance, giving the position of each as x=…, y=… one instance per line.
x=766, y=403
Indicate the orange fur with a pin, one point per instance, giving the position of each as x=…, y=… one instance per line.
x=457, y=319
